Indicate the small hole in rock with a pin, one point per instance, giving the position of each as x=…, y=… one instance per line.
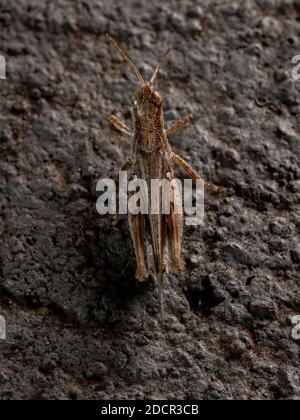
x=249, y=280
x=235, y=295
x=202, y=299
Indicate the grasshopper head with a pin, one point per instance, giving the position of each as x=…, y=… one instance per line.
x=146, y=101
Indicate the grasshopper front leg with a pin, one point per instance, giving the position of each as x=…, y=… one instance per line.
x=120, y=125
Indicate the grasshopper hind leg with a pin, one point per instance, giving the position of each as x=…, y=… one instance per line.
x=175, y=222
x=175, y=227
x=158, y=276
x=137, y=226
x=164, y=264
x=163, y=268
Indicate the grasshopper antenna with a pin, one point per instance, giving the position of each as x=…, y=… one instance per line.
x=127, y=59
x=161, y=62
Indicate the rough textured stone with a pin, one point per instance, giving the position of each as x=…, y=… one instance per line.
x=263, y=309
x=78, y=324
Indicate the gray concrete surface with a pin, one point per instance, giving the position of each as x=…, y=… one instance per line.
x=78, y=324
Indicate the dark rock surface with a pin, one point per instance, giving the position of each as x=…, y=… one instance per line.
x=78, y=324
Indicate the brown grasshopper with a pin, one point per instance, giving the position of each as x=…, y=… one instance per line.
x=153, y=158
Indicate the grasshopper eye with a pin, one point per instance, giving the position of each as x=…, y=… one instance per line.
x=157, y=98
x=134, y=102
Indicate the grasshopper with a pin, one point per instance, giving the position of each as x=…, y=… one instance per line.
x=154, y=235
